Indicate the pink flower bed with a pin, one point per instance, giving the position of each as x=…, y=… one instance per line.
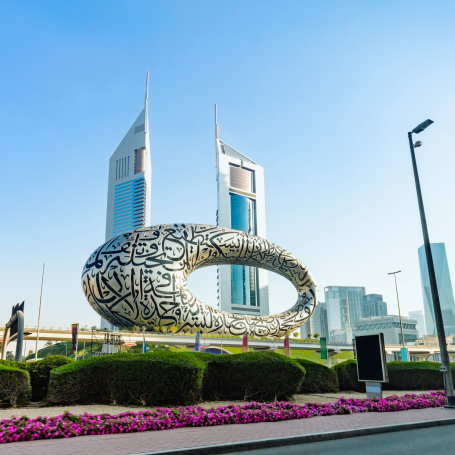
x=69, y=425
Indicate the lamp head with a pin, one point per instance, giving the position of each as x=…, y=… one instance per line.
x=419, y=128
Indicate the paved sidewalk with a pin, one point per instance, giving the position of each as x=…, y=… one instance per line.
x=168, y=440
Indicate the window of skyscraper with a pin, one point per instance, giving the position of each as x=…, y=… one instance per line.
x=244, y=289
x=240, y=178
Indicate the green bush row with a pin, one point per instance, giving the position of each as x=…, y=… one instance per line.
x=402, y=376
x=146, y=379
x=171, y=378
x=39, y=373
x=166, y=378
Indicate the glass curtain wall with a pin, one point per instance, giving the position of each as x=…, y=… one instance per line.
x=243, y=278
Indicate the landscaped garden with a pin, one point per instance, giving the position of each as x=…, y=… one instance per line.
x=267, y=380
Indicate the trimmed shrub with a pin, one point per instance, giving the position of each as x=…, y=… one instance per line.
x=14, y=385
x=14, y=364
x=402, y=376
x=160, y=378
x=250, y=376
x=347, y=376
x=318, y=378
x=40, y=373
x=414, y=376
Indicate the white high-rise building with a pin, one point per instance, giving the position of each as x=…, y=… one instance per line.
x=241, y=206
x=130, y=179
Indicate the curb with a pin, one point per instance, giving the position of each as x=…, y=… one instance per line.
x=300, y=439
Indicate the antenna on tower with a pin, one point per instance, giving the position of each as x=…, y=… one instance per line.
x=147, y=103
x=217, y=135
x=147, y=87
x=217, y=130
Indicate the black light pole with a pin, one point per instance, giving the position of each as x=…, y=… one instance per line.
x=445, y=361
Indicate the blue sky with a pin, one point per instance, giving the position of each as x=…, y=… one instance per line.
x=321, y=94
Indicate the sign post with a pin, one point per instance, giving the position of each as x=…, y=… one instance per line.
x=74, y=336
x=197, y=343
x=287, y=348
x=404, y=355
x=245, y=343
x=144, y=346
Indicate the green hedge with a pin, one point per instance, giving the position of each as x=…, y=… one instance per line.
x=14, y=385
x=347, y=376
x=39, y=372
x=402, y=376
x=161, y=378
x=250, y=376
x=414, y=376
x=318, y=378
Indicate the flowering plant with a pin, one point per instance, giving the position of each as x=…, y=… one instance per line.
x=69, y=425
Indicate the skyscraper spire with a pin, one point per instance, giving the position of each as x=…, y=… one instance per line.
x=217, y=136
x=217, y=130
x=147, y=103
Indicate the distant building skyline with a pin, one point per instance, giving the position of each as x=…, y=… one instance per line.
x=373, y=305
x=343, y=305
x=240, y=205
x=420, y=318
x=445, y=290
x=313, y=326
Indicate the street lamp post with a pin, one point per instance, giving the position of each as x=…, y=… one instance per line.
x=445, y=361
x=399, y=310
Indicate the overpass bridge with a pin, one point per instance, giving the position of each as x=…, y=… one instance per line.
x=60, y=334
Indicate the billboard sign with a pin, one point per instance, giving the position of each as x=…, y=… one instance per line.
x=197, y=343
x=74, y=335
x=245, y=343
x=323, y=348
x=371, y=358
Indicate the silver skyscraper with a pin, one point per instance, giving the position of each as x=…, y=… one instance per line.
x=130, y=178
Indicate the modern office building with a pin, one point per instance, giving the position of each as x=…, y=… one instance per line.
x=130, y=178
x=373, y=305
x=343, y=305
x=420, y=318
x=445, y=291
x=341, y=335
x=390, y=327
x=314, y=325
x=241, y=206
